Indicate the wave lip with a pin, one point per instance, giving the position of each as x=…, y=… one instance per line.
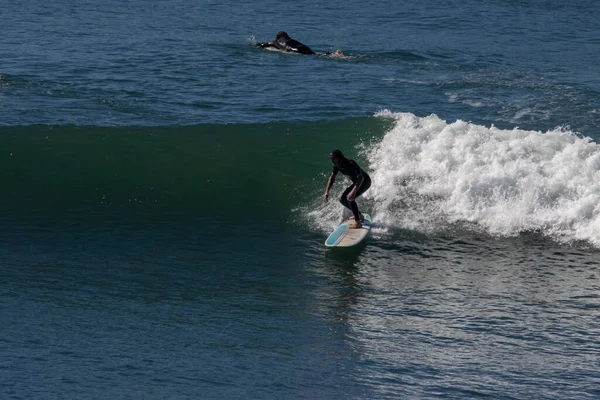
x=427, y=171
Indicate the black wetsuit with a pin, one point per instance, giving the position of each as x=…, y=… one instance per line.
x=359, y=178
x=285, y=43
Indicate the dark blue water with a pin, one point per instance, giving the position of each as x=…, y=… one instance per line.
x=172, y=63
x=161, y=219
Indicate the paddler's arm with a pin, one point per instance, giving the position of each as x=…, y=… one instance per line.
x=266, y=44
x=329, y=185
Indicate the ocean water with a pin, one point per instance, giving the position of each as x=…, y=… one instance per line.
x=161, y=211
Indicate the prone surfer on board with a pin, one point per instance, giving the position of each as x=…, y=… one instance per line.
x=285, y=43
x=360, y=183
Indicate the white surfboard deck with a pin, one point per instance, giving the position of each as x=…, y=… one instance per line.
x=343, y=236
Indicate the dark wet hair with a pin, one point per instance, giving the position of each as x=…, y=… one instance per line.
x=282, y=34
x=336, y=153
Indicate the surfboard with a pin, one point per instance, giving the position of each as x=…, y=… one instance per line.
x=343, y=236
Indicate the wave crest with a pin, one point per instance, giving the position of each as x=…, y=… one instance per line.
x=428, y=174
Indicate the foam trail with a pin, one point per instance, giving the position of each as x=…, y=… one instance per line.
x=428, y=174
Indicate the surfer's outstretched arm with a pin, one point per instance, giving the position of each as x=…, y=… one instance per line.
x=266, y=44
x=329, y=185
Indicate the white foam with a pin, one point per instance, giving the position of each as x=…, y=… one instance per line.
x=428, y=174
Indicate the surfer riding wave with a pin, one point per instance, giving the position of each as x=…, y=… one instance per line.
x=360, y=183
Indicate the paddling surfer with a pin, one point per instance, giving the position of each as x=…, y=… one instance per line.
x=285, y=43
x=360, y=183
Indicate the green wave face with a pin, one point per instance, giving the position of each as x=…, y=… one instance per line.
x=225, y=170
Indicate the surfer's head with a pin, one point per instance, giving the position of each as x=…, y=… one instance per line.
x=282, y=34
x=336, y=157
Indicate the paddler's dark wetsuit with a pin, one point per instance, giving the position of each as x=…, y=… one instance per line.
x=285, y=43
x=359, y=178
